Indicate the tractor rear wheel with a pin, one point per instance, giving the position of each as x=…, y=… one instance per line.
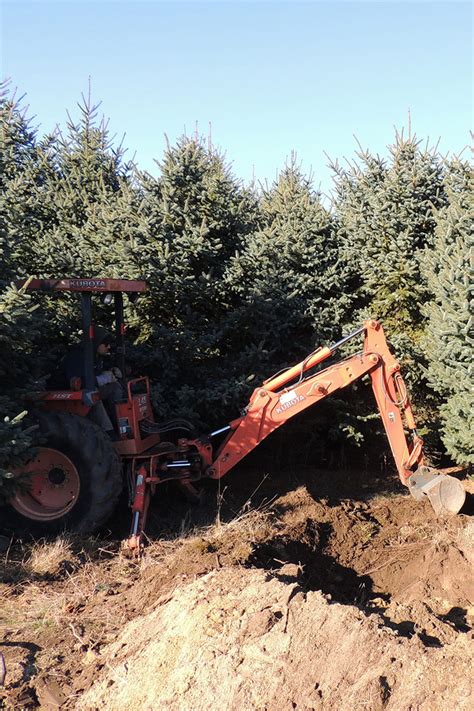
x=76, y=480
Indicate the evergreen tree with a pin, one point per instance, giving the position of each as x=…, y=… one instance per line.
x=386, y=210
x=20, y=333
x=91, y=203
x=295, y=292
x=449, y=339
x=290, y=276
x=22, y=174
x=83, y=215
x=196, y=216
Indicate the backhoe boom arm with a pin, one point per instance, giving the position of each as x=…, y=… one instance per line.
x=281, y=398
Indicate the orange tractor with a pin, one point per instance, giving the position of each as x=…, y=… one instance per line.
x=78, y=472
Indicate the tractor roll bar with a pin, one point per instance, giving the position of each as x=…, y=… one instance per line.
x=129, y=286
x=88, y=336
x=120, y=331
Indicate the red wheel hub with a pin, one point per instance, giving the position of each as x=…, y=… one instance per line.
x=53, y=486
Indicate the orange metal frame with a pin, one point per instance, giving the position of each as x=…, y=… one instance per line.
x=284, y=396
x=83, y=285
x=72, y=401
x=136, y=408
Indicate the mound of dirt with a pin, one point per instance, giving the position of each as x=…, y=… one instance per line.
x=239, y=639
x=313, y=601
x=392, y=547
x=353, y=606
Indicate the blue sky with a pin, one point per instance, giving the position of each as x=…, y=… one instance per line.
x=269, y=77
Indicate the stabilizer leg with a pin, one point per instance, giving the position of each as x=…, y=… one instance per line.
x=139, y=512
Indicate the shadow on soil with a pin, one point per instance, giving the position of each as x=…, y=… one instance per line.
x=317, y=569
x=468, y=507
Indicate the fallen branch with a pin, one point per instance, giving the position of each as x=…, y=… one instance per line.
x=78, y=636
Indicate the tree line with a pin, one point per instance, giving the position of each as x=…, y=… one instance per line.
x=243, y=280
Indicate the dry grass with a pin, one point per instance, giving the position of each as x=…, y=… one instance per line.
x=236, y=538
x=32, y=609
x=240, y=535
x=49, y=558
x=60, y=587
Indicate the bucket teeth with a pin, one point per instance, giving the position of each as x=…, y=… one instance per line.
x=446, y=494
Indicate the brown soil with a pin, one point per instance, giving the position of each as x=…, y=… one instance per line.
x=341, y=593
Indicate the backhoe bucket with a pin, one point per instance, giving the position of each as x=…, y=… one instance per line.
x=446, y=494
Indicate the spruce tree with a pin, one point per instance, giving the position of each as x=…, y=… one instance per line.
x=290, y=276
x=90, y=201
x=22, y=174
x=449, y=339
x=84, y=211
x=295, y=292
x=196, y=215
x=387, y=210
x=20, y=338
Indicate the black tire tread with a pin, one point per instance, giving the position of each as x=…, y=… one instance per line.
x=102, y=482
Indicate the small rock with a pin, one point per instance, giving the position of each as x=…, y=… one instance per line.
x=290, y=571
x=50, y=695
x=90, y=656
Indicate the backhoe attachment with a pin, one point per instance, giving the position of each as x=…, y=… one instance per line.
x=283, y=396
x=297, y=388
